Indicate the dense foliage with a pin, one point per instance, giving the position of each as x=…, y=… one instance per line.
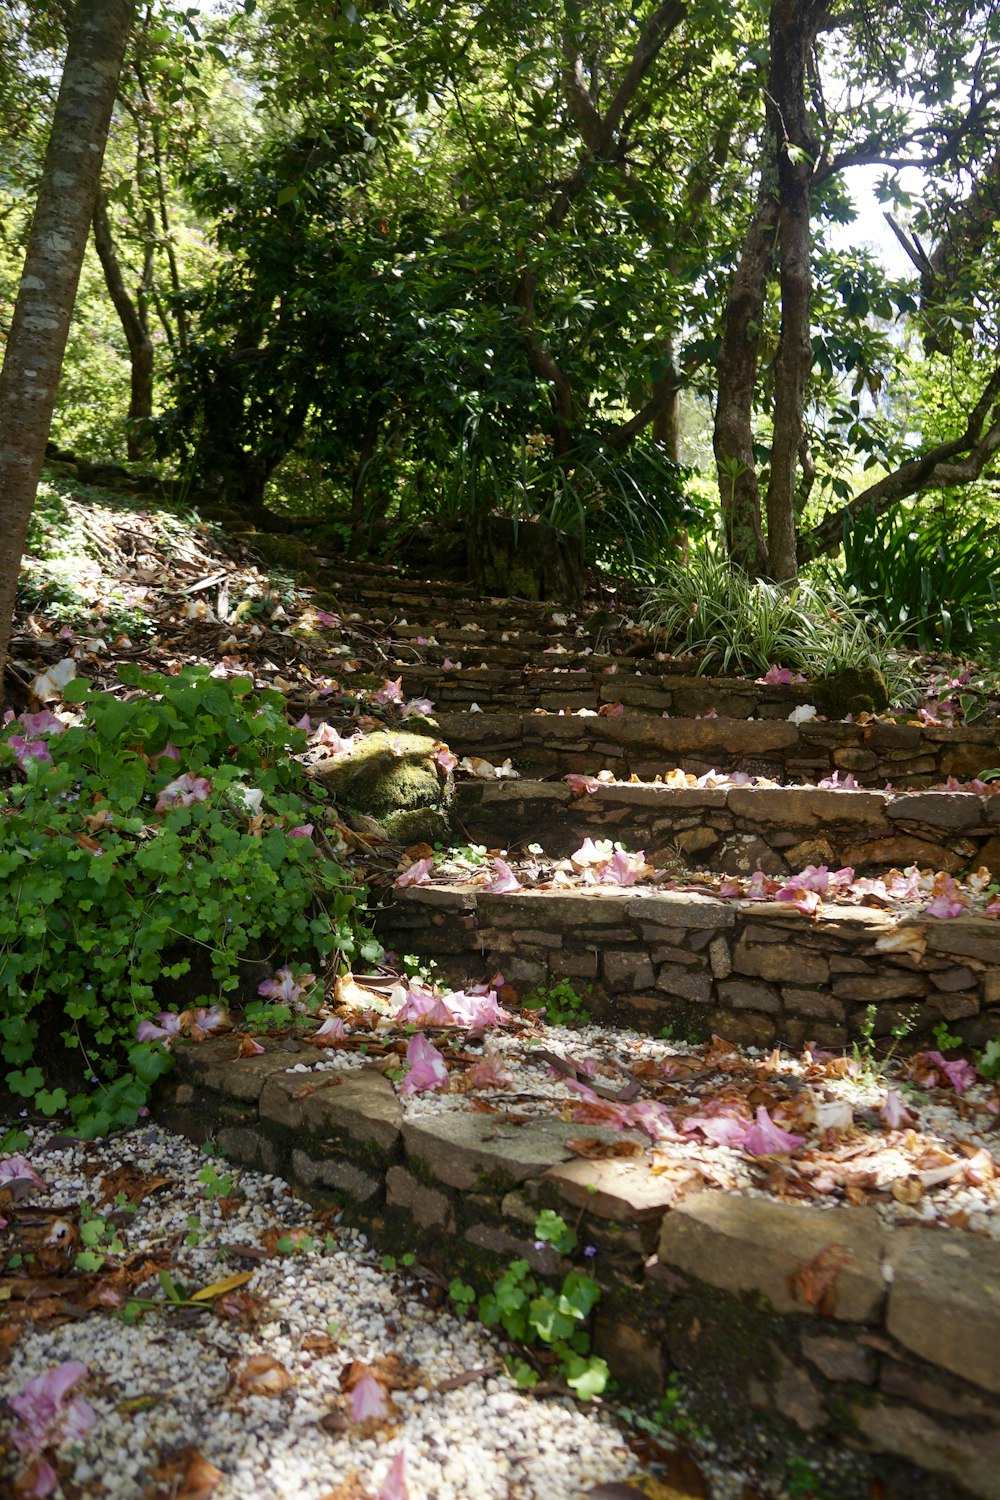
x=391, y=264
x=149, y=851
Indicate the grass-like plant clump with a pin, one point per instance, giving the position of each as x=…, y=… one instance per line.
x=736, y=624
x=162, y=840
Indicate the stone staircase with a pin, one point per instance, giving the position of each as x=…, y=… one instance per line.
x=870, y=795
x=837, y=1329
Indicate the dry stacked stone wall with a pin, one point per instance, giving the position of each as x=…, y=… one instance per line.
x=829, y=1324
x=742, y=829
x=755, y=972
x=903, y=754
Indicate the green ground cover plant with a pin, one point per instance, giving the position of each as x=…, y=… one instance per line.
x=540, y=1317
x=146, y=852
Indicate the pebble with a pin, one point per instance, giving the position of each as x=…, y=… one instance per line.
x=272, y=1448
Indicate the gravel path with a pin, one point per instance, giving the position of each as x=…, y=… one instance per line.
x=184, y=1378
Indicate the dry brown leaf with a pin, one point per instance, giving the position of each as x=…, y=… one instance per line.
x=815, y=1281
x=351, y=1488
x=319, y=1343
x=200, y=1477
x=127, y=1179
x=595, y=1150
x=264, y=1376
x=907, y=1189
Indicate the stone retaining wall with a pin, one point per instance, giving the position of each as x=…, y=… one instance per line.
x=907, y=755
x=677, y=693
x=742, y=829
x=755, y=972
x=831, y=1326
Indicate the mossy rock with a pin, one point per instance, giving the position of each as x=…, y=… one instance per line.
x=329, y=538
x=287, y=552
x=394, y=779
x=851, y=690
x=527, y=559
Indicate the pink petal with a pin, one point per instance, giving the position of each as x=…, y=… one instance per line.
x=624, y=869
x=766, y=1138
x=722, y=1129
x=895, y=1113
x=581, y=786
x=418, y=706
x=394, y=1483
x=211, y=1018
x=44, y=722
x=446, y=760
x=419, y=873
x=19, y=1169
x=389, y=692
x=368, y=1399
x=332, y=1030
x=427, y=1067
x=38, y=1480
x=960, y=1074
x=304, y=831
x=504, y=880
x=944, y=908
x=25, y=750
x=800, y=897
x=490, y=1073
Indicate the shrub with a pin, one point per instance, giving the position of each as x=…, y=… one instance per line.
x=162, y=836
x=924, y=578
x=738, y=624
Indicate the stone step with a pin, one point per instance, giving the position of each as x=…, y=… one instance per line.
x=758, y=973
x=372, y=583
x=834, y=1324
x=779, y=830
x=633, y=744
x=648, y=691
x=493, y=615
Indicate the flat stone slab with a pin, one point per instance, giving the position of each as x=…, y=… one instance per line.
x=944, y=1304
x=360, y=1104
x=625, y=1191
x=213, y=1064
x=972, y=1454
x=782, y=1251
x=460, y=1148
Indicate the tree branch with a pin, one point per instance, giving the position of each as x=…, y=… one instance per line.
x=957, y=462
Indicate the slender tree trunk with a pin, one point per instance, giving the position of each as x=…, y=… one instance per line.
x=792, y=37
x=667, y=422
x=737, y=379
x=132, y=317
x=60, y=226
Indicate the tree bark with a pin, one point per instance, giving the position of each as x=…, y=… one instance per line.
x=51, y=273
x=136, y=330
x=737, y=379
x=957, y=462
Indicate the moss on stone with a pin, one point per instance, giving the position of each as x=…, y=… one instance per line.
x=387, y=772
x=418, y=825
x=287, y=552
x=851, y=690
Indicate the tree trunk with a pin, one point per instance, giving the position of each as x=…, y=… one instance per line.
x=140, y=345
x=792, y=37
x=40, y=325
x=737, y=379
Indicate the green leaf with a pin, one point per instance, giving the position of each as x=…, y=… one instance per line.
x=589, y=1378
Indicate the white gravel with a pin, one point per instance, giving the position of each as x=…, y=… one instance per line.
x=483, y=1439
